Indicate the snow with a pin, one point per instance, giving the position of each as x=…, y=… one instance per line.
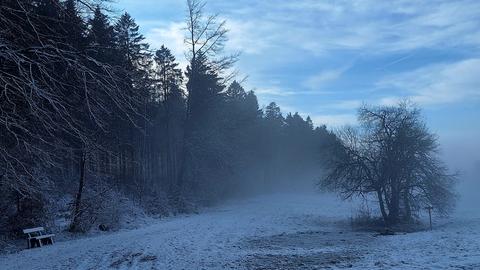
x=294, y=231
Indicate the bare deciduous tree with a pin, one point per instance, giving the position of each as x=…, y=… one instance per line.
x=54, y=98
x=393, y=156
x=205, y=40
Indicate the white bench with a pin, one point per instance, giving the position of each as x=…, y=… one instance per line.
x=36, y=237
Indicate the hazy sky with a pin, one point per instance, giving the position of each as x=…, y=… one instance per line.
x=324, y=58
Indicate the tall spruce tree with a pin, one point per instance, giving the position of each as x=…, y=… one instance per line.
x=202, y=160
x=168, y=94
x=74, y=26
x=130, y=43
x=101, y=37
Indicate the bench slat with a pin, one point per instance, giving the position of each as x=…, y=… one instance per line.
x=44, y=236
x=38, y=229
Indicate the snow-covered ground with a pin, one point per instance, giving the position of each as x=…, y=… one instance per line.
x=302, y=231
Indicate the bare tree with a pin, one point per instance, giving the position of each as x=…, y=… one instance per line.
x=54, y=98
x=393, y=156
x=205, y=40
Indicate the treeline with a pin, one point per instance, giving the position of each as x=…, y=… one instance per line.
x=86, y=108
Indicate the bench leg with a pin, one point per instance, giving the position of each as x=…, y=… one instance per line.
x=40, y=242
x=32, y=242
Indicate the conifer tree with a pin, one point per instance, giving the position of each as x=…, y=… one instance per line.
x=101, y=37
x=171, y=112
x=74, y=26
x=130, y=43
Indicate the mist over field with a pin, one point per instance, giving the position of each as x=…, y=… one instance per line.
x=463, y=156
x=212, y=134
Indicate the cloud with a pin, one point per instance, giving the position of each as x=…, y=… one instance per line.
x=247, y=36
x=334, y=120
x=323, y=27
x=368, y=26
x=273, y=91
x=319, y=80
x=436, y=84
x=171, y=35
x=344, y=105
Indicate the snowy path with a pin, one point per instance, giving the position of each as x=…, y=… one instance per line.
x=268, y=232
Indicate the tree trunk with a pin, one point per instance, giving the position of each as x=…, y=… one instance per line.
x=382, y=206
x=394, y=207
x=78, y=197
x=408, y=210
x=183, y=159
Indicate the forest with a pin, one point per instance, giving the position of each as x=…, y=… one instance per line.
x=89, y=111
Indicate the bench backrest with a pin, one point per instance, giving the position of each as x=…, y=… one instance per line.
x=37, y=230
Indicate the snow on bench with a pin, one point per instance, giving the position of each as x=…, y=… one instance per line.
x=36, y=237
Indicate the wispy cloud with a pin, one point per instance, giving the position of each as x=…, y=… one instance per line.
x=319, y=80
x=171, y=35
x=348, y=105
x=280, y=92
x=274, y=91
x=368, y=26
x=334, y=120
x=436, y=84
x=248, y=36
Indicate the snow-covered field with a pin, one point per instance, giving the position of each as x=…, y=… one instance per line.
x=302, y=231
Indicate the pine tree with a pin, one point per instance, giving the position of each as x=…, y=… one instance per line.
x=235, y=92
x=74, y=26
x=203, y=134
x=168, y=93
x=130, y=43
x=101, y=37
x=273, y=115
x=241, y=118
x=133, y=59
x=273, y=143
x=168, y=77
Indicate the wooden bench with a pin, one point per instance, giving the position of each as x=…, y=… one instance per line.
x=36, y=237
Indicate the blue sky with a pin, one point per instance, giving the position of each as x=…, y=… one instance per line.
x=326, y=58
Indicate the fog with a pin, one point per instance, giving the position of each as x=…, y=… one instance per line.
x=463, y=156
